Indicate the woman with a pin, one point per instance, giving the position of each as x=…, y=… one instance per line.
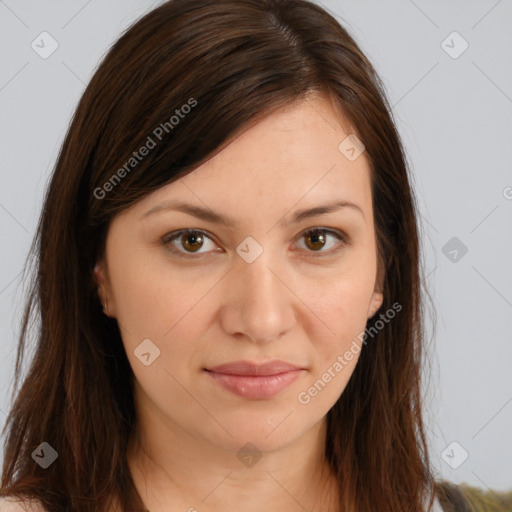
x=228, y=280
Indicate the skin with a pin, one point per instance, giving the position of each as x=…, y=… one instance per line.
x=288, y=304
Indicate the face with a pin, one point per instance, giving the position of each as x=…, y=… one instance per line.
x=263, y=284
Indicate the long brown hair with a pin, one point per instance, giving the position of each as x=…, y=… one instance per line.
x=232, y=62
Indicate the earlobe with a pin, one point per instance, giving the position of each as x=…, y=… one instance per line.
x=375, y=303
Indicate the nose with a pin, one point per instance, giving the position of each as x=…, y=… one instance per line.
x=259, y=302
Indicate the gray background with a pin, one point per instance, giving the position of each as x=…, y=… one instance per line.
x=455, y=118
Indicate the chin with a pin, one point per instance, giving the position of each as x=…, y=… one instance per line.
x=267, y=431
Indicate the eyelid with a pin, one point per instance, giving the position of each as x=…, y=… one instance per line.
x=343, y=241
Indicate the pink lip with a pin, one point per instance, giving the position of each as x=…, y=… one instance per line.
x=250, y=380
x=254, y=369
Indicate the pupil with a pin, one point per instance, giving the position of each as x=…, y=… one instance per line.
x=192, y=237
x=316, y=237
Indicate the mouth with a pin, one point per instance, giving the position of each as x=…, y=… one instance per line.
x=255, y=381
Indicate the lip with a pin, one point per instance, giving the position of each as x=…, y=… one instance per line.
x=249, y=368
x=255, y=381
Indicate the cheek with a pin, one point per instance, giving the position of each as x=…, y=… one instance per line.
x=166, y=311
x=341, y=299
x=150, y=301
x=335, y=359
x=340, y=309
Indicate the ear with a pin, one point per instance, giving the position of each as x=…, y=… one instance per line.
x=101, y=279
x=375, y=303
x=377, y=295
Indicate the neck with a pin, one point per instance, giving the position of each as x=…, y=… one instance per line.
x=192, y=475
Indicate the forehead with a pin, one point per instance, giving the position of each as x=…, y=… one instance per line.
x=291, y=157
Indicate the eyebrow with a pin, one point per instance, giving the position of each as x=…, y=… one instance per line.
x=217, y=218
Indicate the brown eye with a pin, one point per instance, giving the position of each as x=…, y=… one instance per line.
x=317, y=239
x=192, y=241
x=186, y=242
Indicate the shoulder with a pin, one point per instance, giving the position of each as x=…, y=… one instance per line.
x=15, y=505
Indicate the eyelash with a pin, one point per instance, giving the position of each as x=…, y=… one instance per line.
x=168, y=238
